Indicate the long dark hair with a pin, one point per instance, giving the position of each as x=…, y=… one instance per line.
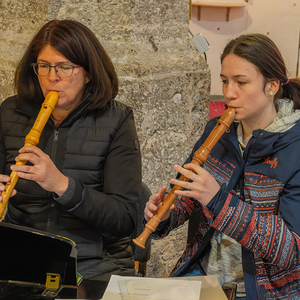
x=261, y=51
x=79, y=45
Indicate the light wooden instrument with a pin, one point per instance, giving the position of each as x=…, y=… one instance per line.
x=32, y=139
x=199, y=158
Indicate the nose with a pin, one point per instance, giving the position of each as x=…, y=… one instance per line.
x=230, y=91
x=52, y=75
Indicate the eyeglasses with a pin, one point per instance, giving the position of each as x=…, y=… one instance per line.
x=62, y=70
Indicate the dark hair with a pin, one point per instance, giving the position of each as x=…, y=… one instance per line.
x=261, y=51
x=79, y=45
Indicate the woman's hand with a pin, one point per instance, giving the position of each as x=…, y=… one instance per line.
x=3, y=180
x=155, y=202
x=203, y=186
x=43, y=171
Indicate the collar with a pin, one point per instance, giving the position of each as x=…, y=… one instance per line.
x=239, y=133
x=286, y=118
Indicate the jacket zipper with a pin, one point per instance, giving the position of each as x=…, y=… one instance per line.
x=55, y=140
x=245, y=159
x=51, y=221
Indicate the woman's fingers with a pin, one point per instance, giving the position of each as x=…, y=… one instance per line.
x=154, y=202
x=3, y=180
x=199, y=185
x=43, y=171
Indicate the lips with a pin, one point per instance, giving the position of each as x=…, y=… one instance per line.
x=59, y=92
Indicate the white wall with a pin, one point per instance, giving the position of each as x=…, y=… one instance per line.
x=279, y=19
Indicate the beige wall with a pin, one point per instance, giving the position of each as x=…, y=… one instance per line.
x=279, y=19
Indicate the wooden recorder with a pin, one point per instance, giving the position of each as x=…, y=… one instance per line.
x=199, y=158
x=32, y=139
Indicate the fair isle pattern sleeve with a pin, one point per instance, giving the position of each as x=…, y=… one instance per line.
x=267, y=223
x=274, y=245
x=184, y=207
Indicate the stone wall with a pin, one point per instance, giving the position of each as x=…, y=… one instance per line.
x=162, y=76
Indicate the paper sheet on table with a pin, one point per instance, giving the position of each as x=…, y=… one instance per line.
x=141, y=288
x=162, y=289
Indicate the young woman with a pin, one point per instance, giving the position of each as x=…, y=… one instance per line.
x=244, y=201
x=83, y=179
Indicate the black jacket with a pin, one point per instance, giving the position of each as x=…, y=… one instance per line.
x=99, y=151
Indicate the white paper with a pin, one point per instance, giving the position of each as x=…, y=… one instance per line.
x=142, y=288
x=163, y=289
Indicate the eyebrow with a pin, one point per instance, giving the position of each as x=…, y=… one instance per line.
x=57, y=63
x=235, y=76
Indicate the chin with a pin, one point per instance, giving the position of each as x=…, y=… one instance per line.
x=238, y=117
x=61, y=100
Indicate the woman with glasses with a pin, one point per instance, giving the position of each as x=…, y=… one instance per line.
x=83, y=179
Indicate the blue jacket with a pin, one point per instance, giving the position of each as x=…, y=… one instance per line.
x=258, y=205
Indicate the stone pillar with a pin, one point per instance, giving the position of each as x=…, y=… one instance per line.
x=162, y=76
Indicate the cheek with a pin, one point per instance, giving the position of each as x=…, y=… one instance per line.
x=73, y=86
x=68, y=88
x=42, y=85
x=223, y=89
x=71, y=90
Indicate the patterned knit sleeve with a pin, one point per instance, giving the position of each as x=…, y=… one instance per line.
x=273, y=239
x=184, y=207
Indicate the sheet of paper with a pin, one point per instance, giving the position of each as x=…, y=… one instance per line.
x=144, y=288
x=161, y=289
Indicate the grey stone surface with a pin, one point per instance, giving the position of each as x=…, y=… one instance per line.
x=162, y=76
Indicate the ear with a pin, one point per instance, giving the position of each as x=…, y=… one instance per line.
x=87, y=78
x=273, y=86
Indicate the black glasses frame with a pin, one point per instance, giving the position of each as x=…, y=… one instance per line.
x=35, y=65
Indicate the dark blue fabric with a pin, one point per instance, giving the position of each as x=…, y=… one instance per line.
x=194, y=273
x=216, y=203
